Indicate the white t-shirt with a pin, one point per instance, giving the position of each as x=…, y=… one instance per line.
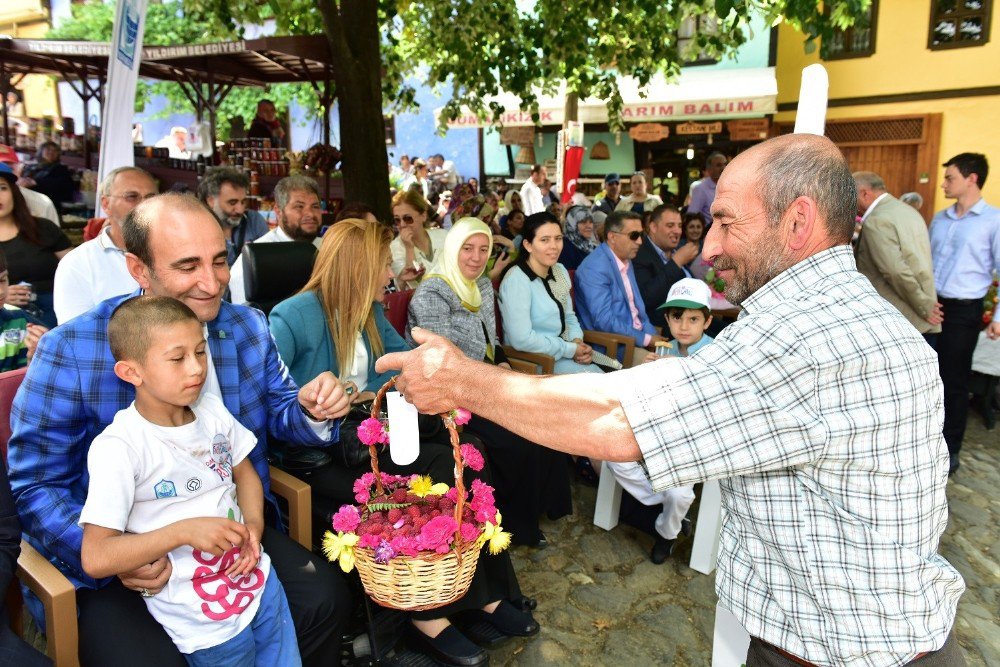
x=531, y=198
x=144, y=477
x=90, y=273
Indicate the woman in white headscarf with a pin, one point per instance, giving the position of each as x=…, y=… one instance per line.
x=457, y=301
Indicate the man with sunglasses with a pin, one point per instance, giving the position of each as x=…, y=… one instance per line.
x=96, y=270
x=607, y=294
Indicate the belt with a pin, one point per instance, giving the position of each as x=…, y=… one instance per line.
x=804, y=663
x=962, y=301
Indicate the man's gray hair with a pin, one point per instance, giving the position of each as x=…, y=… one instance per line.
x=913, y=199
x=215, y=177
x=616, y=221
x=870, y=180
x=136, y=225
x=109, y=180
x=289, y=184
x=812, y=169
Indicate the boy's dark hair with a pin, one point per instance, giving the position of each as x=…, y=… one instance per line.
x=675, y=311
x=3, y=261
x=130, y=325
x=971, y=163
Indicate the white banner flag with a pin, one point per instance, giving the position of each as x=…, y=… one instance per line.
x=119, y=92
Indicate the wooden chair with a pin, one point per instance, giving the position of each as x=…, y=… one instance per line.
x=57, y=593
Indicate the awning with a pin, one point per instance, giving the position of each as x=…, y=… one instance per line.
x=696, y=94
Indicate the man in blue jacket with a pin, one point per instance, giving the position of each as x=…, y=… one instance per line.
x=70, y=394
x=607, y=295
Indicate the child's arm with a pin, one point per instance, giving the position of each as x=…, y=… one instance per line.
x=250, y=498
x=107, y=552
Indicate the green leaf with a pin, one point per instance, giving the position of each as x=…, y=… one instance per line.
x=723, y=7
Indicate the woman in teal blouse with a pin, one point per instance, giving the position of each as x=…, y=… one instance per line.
x=345, y=294
x=535, y=302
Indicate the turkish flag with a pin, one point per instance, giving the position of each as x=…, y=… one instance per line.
x=571, y=172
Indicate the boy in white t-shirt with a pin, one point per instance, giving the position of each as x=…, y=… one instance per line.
x=688, y=315
x=170, y=476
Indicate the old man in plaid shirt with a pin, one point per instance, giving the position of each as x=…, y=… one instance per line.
x=820, y=409
x=70, y=394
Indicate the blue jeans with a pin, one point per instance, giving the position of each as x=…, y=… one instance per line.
x=268, y=640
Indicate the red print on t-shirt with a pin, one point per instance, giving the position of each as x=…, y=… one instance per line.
x=224, y=597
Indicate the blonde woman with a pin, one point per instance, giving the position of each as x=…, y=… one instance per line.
x=345, y=292
x=416, y=249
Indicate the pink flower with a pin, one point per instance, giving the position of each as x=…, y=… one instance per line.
x=362, y=487
x=404, y=545
x=369, y=541
x=472, y=457
x=461, y=416
x=371, y=432
x=346, y=519
x=452, y=495
x=437, y=533
x=470, y=532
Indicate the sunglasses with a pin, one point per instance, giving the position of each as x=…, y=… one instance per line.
x=632, y=236
x=408, y=219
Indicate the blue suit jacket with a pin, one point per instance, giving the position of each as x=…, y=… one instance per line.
x=70, y=394
x=601, y=300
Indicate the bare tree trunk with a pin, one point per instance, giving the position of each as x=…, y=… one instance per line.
x=352, y=30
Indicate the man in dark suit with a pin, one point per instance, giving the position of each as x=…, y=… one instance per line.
x=659, y=262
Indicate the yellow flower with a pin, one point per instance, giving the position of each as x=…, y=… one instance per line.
x=340, y=547
x=425, y=486
x=498, y=538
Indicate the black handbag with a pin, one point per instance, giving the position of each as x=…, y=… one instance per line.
x=353, y=452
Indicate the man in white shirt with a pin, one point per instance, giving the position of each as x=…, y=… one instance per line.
x=531, y=191
x=444, y=171
x=39, y=204
x=95, y=270
x=296, y=204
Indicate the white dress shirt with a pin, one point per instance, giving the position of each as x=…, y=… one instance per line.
x=40, y=205
x=531, y=198
x=90, y=273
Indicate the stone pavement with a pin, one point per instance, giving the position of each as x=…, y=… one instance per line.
x=602, y=602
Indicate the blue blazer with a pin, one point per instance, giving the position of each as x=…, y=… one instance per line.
x=304, y=342
x=70, y=394
x=601, y=300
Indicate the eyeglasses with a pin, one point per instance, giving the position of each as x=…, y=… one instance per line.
x=407, y=219
x=632, y=236
x=134, y=197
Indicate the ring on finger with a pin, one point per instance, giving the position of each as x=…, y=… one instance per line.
x=144, y=592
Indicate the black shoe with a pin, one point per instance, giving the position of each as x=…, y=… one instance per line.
x=686, y=528
x=507, y=619
x=524, y=603
x=952, y=464
x=662, y=548
x=450, y=647
x=542, y=542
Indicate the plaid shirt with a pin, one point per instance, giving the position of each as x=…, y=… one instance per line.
x=71, y=394
x=821, y=411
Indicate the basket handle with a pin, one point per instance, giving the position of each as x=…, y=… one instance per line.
x=449, y=423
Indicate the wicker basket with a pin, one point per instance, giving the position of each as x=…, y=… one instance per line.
x=430, y=580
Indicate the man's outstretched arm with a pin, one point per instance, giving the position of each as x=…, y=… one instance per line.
x=578, y=414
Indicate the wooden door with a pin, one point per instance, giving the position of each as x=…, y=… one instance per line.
x=903, y=150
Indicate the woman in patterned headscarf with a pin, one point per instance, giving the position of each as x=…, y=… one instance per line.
x=580, y=238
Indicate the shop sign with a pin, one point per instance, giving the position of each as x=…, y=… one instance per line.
x=699, y=128
x=190, y=50
x=69, y=48
x=517, y=136
x=750, y=129
x=648, y=132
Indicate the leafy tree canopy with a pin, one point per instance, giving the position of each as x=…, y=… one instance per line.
x=478, y=48
x=168, y=24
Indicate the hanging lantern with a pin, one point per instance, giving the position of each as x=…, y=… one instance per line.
x=600, y=151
